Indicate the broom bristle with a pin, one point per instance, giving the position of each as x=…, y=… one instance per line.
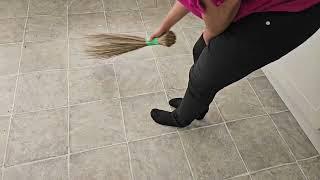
x=109, y=45
x=167, y=39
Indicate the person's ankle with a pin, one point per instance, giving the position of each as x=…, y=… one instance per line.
x=175, y=102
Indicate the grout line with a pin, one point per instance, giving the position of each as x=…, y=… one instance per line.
x=300, y=167
x=201, y=127
x=15, y=91
x=43, y=71
x=240, y=175
x=12, y=17
x=233, y=141
x=277, y=129
x=152, y=137
x=120, y=103
x=304, y=175
x=11, y=43
x=136, y=95
x=68, y=87
x=272, y=167
x=250, y=78
x=241, y=119
x=313, y=157
x=124, y=127
x=166, y=58
x=8, y=75
x=66, y=155
x=40, y=110
x=37, y=161
x=97, y=148
x=159, y=74
x=180, y=139
x=278, y=112
x=142, y=94
x=85, y=13
x=83, y=103
x=186, y=155
x=84, y=67
x=184, y=36
x=105, y=16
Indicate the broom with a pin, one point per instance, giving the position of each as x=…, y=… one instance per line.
x=110, y=45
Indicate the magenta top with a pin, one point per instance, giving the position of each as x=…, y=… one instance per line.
x=251, y=6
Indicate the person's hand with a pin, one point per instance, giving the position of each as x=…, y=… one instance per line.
x=159, y=32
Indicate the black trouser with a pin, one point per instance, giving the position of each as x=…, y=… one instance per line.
x=244, y=47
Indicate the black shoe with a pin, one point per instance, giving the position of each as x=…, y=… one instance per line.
x=175, y=102
x=166, y=118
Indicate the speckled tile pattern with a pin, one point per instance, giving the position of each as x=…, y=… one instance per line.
x=259, y=143
x=67, y=116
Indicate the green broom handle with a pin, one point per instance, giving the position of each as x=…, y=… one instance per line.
x=154, y=41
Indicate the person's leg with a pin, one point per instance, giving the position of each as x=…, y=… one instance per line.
x=244, y=47
x=197, y=50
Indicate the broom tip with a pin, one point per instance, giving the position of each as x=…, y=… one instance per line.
x=168, y=39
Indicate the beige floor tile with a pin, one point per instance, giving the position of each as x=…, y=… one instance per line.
x=49, y=170
x=92, y=84
x=4, y=128
x=48, y=7
x=107, y=163
x=35, y=136
x=159, y=158
x=211, y=153
x=153, y=4
x=44, y=28
x=311, y=168
x=7, y=87
x=11, y=30
x=259, y=143
x=238, y=101
x=191, y=20
x=85, y=6
x=175, y=71
x=13, y=8
x=9, y=58
x=124, y=21
x=41, y=90
x=138, y=121
x=297, y=140
x=81, y=25
x=96, y=124
x=39, y=56
x=192, y=34
x=137, y=77
x=290, y=172
x=267, y=95
x=120, y=5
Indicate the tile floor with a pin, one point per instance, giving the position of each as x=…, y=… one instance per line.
x=64, y=115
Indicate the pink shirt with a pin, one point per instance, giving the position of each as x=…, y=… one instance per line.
x=251, y=6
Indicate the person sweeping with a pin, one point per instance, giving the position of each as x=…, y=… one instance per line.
x=240, y=36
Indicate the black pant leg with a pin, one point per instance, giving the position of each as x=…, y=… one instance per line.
x=197, y=48
x=244, y=47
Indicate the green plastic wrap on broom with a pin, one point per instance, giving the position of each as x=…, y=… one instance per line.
x=110, y=45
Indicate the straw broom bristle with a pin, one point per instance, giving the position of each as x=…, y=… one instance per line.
x=168, y=39
x=109, y=45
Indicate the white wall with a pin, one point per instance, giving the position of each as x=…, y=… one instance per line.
x=296, y=77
